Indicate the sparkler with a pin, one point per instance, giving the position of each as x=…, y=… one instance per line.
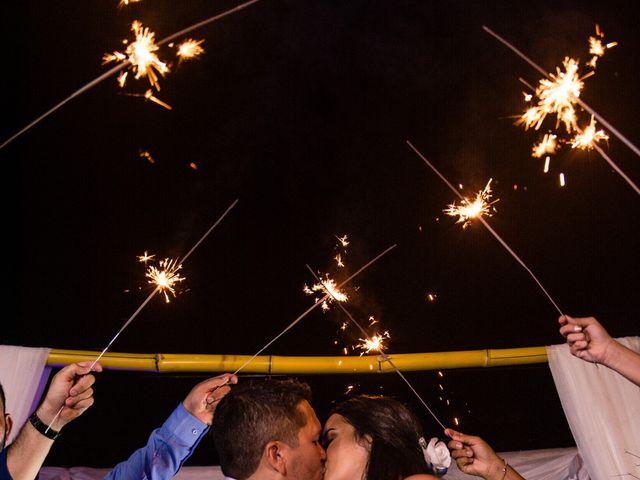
x=122, y=66
x=166, y=277
x=140, y=56
x=163, y=282
x=375, y=343
x=378, y=342
x=469, y=210
x=580, y=102
x=596, y=48
x=190, y=49
x=548, y=144
x=484, y=222
x=315, y=305
x=587, y=138
x=326, y=285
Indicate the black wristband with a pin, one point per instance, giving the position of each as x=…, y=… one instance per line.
x=41, y=427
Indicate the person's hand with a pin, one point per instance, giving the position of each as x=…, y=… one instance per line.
x=205, y=396
x=587, y=339
x=474, y=456
x=71, y=388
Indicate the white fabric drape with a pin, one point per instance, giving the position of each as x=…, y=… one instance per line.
x=23, y=374
x=603, y=411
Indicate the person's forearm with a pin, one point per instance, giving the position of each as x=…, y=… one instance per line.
x=26, y=454
x=624, y=361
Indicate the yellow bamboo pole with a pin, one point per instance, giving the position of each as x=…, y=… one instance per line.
x=272, y=364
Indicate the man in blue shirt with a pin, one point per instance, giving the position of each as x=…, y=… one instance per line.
x=175, y=441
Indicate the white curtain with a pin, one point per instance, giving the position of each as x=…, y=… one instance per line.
x=602, y=409
x=23, y=374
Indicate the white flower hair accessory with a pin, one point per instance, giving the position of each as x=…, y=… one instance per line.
x=436, y=454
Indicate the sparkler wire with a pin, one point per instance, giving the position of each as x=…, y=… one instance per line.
x=382, y=353
x=607, y=125
x=316, y=304
x=147, y=300
x=121, y=66
x=493, y=232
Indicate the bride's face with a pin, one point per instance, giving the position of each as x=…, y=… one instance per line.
x=347, y=455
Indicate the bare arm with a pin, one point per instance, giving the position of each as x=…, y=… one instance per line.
x=589, y=340
x=70, y=387
x=474, y=456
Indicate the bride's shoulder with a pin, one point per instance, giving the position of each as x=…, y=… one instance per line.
x=422, y=476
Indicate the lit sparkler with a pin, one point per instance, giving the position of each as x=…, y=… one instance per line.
x=166, y=277
x=326, y=287
x=587, y=138
x=484, y=222
x=190, y=49
x=378, y=342
x=140, y=56
x=375, y=343
x=124, y=3
x=172, y=266
x=121, y=66
x=580, y=102
x=469, y=210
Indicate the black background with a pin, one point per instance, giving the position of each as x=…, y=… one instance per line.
x=301, y=111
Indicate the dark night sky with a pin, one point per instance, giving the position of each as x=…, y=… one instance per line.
x=301, y=110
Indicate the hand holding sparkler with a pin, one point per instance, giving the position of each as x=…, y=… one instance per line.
x=70, y=388
x=474, y=456
x=589, y=341
x=205, y=396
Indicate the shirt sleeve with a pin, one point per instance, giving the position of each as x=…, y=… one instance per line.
x=167, y=449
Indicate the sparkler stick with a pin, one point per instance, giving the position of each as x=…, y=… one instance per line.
x=316, y=304
x=148, y=299
x=578, y=100
x=382, y=353
x=493, y=232
x=122, y=66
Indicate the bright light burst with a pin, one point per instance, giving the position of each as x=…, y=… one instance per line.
x=145, y=258
x=124, y=3
x=587, y=138
x=548, y=144
x=559, y=95
x=326, y=286
x=166, y=277
x=343, y=240
x=140, y=54
x=597, y=48
x=468, y=210
x=375, y=343
x=190, y=49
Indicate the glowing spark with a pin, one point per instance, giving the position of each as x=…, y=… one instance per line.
x=375, y=343
x=456, y=421
x=190, y=49
x=165, y=277
x=144, y=258
x=124, y=3
x=327, y=286
x=343, y=240
x=338, y=259
x=140, y=54
x=431, y=297
x=148, y=95
x=562, y=182
x=122, y=79
x=548, y=144
x=527, y=96
x=586, y=139
x=193, y=166
x=372, y=321
x=146, y=155
x=596, y=47
x=343, y=327
x=547, y=161
x=469, y=210
x=559, y=94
